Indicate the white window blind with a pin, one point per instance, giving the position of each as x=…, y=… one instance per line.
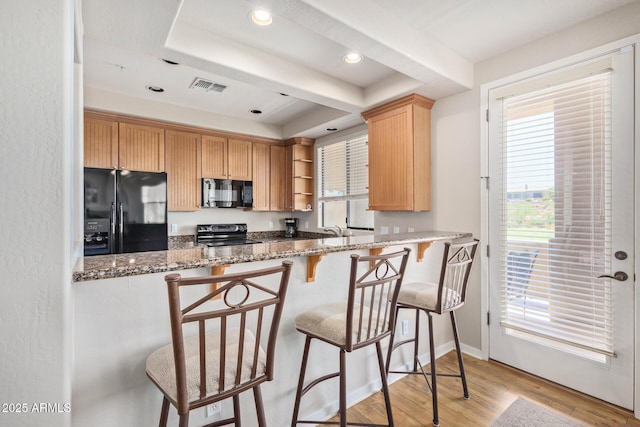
x=343, y=183
x=555, y=149
x=344, y=170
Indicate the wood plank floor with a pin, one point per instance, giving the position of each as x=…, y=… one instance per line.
x=493, y=387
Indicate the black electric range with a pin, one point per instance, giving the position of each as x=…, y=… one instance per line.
x=223, y=235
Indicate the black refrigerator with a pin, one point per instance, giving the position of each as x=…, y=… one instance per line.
x=124, y=211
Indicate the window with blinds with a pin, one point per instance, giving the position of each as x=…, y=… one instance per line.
x=555, y=152
x=343, y=184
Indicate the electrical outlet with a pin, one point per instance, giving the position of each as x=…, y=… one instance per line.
x=214, y=408
x=384, y=230
x=396, y=230
x=306, y=224
x=405, y=327
x=270, y=225
x=411, y=229
x=174, y=228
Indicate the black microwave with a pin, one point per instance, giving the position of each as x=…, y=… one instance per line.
x=226, y=193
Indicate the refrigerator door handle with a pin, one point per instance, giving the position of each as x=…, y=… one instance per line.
x=112, y=221
x=120, y=229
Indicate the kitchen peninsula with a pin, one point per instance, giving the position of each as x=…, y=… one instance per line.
x=121, y=265
x=121, y=316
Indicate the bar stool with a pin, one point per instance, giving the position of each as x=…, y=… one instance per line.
x=367, y=317
x=233, y=350
x=445, y=296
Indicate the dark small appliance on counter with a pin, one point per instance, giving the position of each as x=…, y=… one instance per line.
x=226, y=193
x=290, y=227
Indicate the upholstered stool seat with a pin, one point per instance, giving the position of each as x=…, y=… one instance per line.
x=161, y=367
x=424, y=295
x=366, y=318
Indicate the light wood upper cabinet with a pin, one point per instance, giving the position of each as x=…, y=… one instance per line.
x=226, y=158
x=141, y=148
x=100, y=143
x=182, y=160
x=214, y=157
x=112, y=145
x=278, y=180
x=240, y=159
x=400, y=155
x=261, y=176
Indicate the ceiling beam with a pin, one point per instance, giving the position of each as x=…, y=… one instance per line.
x=364, y=26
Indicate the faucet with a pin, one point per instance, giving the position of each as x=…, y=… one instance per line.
x=336, y=229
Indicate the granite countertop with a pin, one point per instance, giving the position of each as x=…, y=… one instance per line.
x=131, y=264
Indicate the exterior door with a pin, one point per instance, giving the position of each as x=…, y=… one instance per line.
x=561, y=226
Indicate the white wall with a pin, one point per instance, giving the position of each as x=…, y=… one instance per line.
x=36, y=170
x=455, y=154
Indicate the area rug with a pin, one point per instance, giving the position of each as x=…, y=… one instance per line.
x=523, y=413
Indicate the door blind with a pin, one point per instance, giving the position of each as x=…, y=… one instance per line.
x=555, y=152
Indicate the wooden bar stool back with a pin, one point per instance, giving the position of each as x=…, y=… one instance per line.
x=365, y=319
x=445, y=296
x=223, y=341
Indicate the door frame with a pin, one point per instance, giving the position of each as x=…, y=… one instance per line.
x=485, y=182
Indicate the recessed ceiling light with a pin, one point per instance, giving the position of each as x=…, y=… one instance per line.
x=255, y=111
x=332, y=129
x=261, y=17
x=155, y=89
x=352, y=58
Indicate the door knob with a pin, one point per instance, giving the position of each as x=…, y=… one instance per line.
x=619, y=275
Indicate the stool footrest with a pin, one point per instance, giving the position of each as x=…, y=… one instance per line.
x=318, y=381
x=220, y=423
x=403, y=342
x=425, y=373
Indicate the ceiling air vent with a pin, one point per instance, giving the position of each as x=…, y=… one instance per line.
x=206, y=85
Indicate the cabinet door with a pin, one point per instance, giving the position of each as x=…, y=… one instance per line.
x=141, y=148
x=278, y=191
x=100, y=143
x=183, y=175
x=391, y=160
x=240, y=154
x=261, y=177
x=214, y=157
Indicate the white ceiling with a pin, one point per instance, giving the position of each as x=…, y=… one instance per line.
x=423, y=46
